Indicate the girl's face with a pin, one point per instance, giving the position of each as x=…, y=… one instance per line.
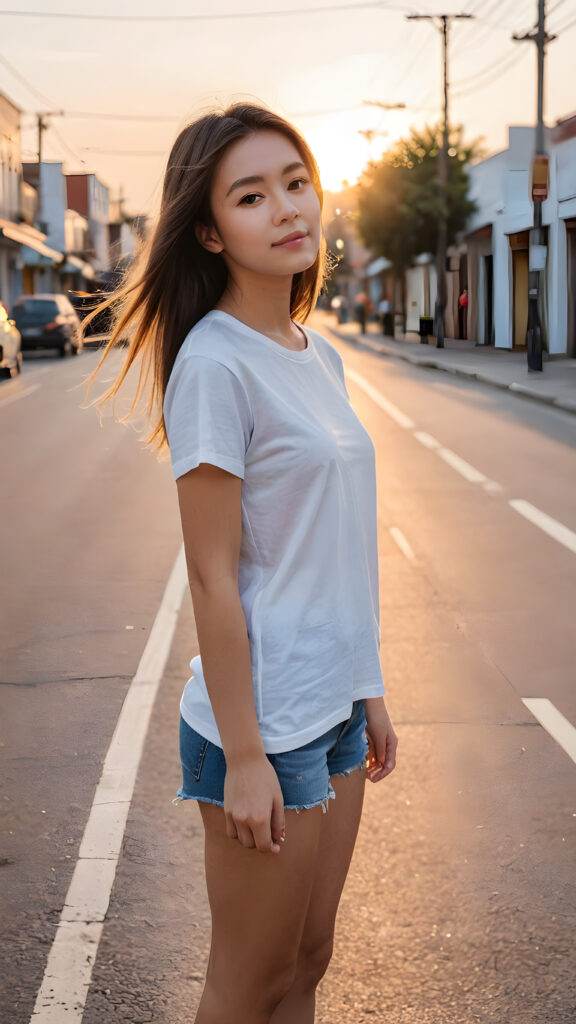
x=261, y=193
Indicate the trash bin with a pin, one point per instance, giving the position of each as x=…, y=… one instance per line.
x=425, y=329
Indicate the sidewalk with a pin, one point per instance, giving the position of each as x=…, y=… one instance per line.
x=500, y=368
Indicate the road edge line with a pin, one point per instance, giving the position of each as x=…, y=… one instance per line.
x=68, y=973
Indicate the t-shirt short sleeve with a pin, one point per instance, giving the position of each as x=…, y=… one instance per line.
x=207, y=416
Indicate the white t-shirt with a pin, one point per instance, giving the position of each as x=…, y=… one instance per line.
x=308, y=574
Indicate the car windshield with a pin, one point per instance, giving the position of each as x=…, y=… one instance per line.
x=38, y=308
x=44, y=307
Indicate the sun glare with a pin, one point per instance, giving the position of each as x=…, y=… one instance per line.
x=342, y=151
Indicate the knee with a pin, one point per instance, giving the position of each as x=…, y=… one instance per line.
x=313, y=963
x=251, y=999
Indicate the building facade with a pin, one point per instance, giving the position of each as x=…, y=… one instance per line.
x=498, y=243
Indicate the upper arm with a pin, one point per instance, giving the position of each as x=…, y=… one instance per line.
x=210, y=502
x=209, y=425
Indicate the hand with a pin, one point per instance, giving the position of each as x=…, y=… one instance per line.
x=254, y=805
x=382, y=741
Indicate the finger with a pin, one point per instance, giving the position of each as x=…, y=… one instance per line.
x=231, y=830
x=245, y=836
x=278, y=823
x=263, y=838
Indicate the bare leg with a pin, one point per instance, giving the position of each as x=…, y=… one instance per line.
x=259, y=903
x=339, y=829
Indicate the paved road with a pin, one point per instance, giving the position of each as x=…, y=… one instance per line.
x=460, y=902
x=89, y=536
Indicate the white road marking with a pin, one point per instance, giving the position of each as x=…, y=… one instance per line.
x=546, y=523
x=554, y=722
x=492, y=487
x=462, y=467
x=400, y=418
x=18, y=394
x=550, y=526
x=401, y=541
x=426, y=439
x=64, y=989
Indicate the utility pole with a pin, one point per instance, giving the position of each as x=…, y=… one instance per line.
x=42, y=125
x=442, y=22
x=537, y=259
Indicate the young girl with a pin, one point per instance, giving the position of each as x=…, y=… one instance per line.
x=283, y=718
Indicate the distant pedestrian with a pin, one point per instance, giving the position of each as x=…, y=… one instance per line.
x=385, y=314
x=283, y=718
x=463, y=313
x=361, y=310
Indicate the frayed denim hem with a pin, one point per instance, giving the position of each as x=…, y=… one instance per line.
x=348, y=771
x=317, y=803
x=204, y=799
x=287, y=807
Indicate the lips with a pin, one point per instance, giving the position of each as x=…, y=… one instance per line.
x=291, y=237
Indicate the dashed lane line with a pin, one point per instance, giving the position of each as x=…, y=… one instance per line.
x=18, y=394
x=551, y=526
x=400, y=418
x=401, y=541
x=64, y=989
x=426, y=439
x=461, y=466
x=554, y=722
x=546, y=523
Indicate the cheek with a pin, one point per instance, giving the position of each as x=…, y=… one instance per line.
x=244, y=230
x=313, y=213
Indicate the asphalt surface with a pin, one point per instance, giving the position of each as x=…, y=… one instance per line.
x=459, y=906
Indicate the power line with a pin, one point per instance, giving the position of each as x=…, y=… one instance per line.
x=484, y=71
x=14, y=71
x=95, y=115
x=63, y=143
x=125, y=152
x=230, y=16
x=504, y=67
x=564, y=28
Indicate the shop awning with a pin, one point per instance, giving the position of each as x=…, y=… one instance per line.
x=377, y=266
x=74, y=264
x=29, y=237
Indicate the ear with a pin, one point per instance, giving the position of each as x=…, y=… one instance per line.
x=208, y=237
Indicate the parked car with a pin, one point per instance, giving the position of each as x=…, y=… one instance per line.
x=10, y=345
x=48, y=321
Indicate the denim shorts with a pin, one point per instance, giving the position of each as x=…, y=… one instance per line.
x=303, y=773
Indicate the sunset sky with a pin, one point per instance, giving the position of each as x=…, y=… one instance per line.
x=314, y=66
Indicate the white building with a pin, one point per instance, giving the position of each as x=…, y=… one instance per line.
x=498, y=242
x=26, y=261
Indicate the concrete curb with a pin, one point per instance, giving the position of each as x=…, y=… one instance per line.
x=433, y=364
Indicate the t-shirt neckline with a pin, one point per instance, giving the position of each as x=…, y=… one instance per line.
x=298, y=355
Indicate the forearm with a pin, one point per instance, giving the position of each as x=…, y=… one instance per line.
x=374, y=705
x=225, y=651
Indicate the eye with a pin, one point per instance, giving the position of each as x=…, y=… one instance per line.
x=296, y=180
x=252, y=195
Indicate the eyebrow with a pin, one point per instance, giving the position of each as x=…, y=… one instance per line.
x=254, y=179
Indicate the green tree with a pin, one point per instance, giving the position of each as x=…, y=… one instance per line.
x=399, y=204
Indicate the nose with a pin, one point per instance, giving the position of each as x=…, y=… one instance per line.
x=285, y=209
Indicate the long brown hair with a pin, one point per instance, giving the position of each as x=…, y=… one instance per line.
x=174, y=281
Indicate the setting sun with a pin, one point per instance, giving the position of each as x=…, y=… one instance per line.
x=341, y=148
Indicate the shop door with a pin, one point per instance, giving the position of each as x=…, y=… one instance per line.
x=489, y=299
x=520, y=265
x=571, y=247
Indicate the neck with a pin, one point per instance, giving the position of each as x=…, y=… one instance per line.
x=262, y=302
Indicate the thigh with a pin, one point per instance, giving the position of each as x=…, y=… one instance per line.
x=339, y=829
x=258, y=901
